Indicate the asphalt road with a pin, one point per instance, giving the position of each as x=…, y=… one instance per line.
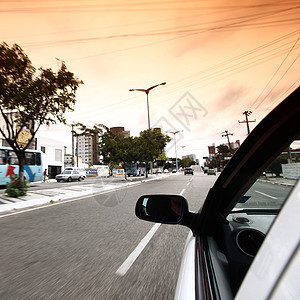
x=74, y=249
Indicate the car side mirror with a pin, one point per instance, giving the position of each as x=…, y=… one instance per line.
x=166, y=209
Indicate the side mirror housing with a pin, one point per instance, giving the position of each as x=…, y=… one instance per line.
x=166, y=209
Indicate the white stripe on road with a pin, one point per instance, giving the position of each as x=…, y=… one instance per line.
x=137, y=251
x=139, y=248
x=265, y=195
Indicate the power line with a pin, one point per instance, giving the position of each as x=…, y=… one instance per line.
x=277, y=70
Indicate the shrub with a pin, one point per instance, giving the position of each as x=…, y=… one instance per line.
x=14, y=189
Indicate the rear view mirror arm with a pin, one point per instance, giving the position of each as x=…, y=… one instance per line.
x=190, y=220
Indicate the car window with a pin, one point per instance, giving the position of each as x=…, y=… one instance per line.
x=274, y=185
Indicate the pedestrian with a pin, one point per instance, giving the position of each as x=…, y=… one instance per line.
x=45, y=175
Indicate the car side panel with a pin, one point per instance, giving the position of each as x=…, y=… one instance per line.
x=185, y=288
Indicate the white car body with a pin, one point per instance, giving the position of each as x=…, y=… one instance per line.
x=68, y=175
x=82, y=171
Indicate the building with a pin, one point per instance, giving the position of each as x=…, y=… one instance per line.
x=120, y=130
x=87, y=149
x=52, y=155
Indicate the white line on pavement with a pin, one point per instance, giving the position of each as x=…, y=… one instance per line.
x=265, y=195
x=181, y=193
x=137, y=251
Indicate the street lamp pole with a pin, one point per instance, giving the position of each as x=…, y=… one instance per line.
x=175, y=132
x=147, y=93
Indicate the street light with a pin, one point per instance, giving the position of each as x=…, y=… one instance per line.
x=175, y=132
x=147, y=92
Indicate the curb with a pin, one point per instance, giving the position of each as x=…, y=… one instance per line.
x=278, y=183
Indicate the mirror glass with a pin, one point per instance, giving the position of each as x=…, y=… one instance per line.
x=161, y=208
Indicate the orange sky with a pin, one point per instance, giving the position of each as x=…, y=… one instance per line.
x=219, y=58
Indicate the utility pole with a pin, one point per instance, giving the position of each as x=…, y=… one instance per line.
x=227, y=135
x=247, y=113
x=72, y=125
x=175, y=132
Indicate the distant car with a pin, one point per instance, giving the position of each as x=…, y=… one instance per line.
x=159, y=171
x=205, y=170
x=166, y=171
x=174, y=171
x=188, y=171
x=211, y=172
x=68, y=175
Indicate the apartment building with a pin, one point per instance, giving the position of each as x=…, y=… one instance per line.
x=87, y=147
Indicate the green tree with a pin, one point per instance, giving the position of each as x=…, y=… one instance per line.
x=145, y=148
x=186, y=162
x=161, y=160
x=116, y=149
x=151, y=144
x=30, y=98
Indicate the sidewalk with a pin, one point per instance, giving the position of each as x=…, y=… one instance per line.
x=52, y=195
x=279, y=180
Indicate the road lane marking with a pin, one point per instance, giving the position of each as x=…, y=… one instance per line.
x=137, y=251
x=266, y=195
x=181, y=193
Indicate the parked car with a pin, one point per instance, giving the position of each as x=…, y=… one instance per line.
x=68, y=175
x=188, y=171
x=243, y=243
x=82, y=171
x=166, y=171
x=211, y=172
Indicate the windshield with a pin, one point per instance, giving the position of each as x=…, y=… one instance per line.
x=67, y=172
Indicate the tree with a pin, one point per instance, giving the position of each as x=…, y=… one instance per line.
x=186, y=162
x=145, y=148
x=116, y=149
x=151, y=144
x=161, y=160
x=30, y=98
